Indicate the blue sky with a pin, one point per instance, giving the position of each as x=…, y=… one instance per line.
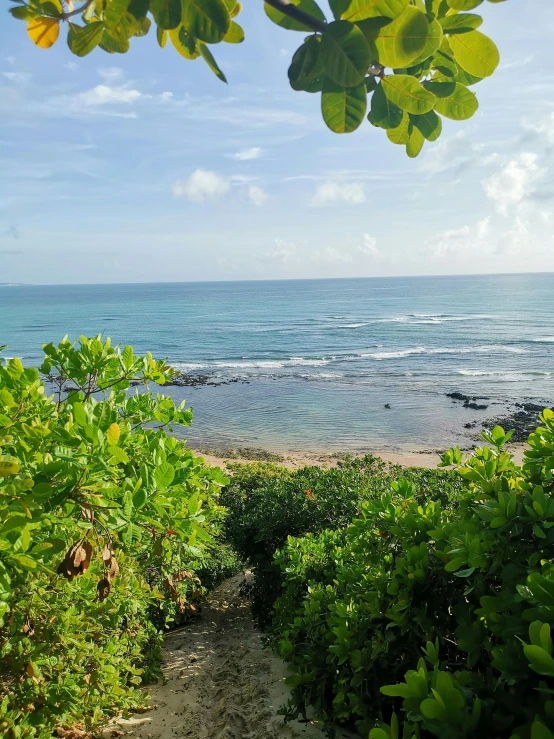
x=145, y=167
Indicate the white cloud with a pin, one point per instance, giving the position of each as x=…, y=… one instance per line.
x=349, y=193
x=461, y=241
x=17, y=77
x=110, y=74
x=284, y=251
x=368, y=246
x=201, y=185
x=11, y=60
x=451, y=153
x=107, y=95
x=255, y=152
x=513, y=184
x=257, y=195
x=544, y=128
x=332, y=255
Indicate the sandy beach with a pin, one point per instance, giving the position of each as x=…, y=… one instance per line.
x=293, y=461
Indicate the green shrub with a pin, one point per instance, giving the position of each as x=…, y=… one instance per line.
x=105, y=523
x=267, y=503
x=431, y=619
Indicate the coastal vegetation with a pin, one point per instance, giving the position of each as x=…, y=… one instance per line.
x=403, y=64
x=406, y=602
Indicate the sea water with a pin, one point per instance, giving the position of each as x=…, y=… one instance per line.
x=317, y=361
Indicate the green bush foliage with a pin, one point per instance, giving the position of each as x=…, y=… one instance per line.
x=431, y=618
x=267, y=504
x=106, y=522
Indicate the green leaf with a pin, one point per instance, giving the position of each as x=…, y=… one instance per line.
x=308, y=6
x=25, y=561
x=140, y=498
x=207, y=20
x=432, y=709
x=475, y=53
x=539, y=660
x=164, y=474
x=115, y=10
x=23, y=12
x=408, y=94
x=459, y=105
x=306, y=64
x=161, y=37
x=184, y=43
x=463, y=4
x=383, y=113
x=127, y=357
x=345, y=53
x=359, y=10
x=79, y=413
x=343, y=109
x=115, y=41
x=460, y=23
x=235, y=34
x=429, y=124
x=433, y=43
x=167, y=13
x=211, y=62
x=401, y=42
x=400, y=134
x=415, y=142
x=455, y=564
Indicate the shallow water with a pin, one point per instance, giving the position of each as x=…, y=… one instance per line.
x=320, y=358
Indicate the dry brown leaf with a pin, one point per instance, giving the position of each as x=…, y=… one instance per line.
x=103, y=589
x=114, y=569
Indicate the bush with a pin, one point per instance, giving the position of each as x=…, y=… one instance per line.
x=267, y=504
x=431, y=619
x=91, y=472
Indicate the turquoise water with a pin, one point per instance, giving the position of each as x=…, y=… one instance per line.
x=320, y=358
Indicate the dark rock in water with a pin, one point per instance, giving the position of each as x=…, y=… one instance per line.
x=469, y=401
x=522, y=421
x=475, y=406
x=200, y=380
x=468, y=425
x=457, y=396
x=387, y=405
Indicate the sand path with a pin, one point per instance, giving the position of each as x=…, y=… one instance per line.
x=220, y=681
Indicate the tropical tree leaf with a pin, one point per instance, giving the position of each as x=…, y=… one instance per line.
x=308, y=6
x=402, y=41
x=459, y=105
x=82, y=40
x=384, y=113
x=235, y=34
x=460, y=23
x=415, y=142
x=43, y=32
x=207, y=20
x=359, y=10
x=429, y=124
x=167, y=13
x=343, y=109
x=345, y=53
x=211, y=62
x=408, y=94
x=400, y=134
x=475, y=52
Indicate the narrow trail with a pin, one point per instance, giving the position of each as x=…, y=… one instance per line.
x=220, y=681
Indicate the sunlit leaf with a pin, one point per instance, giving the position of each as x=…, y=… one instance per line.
x=408, y=94
x=44, y=32
x=343, y=109
x=475, y=52
x=345, y=53
x=308, y=6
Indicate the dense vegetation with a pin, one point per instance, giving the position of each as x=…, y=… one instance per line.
x=417, y=608
x=407, y=603
x=413, y=60
x=106, y=523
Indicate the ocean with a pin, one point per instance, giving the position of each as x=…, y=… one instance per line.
x=315, y=362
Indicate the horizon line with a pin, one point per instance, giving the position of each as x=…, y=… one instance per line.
x=271, y=279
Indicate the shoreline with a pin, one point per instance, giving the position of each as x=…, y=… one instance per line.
x=296, y=460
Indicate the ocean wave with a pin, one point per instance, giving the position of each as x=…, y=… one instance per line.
x=253, y=364
x=400, y=353
x=543, y=340
x=500, y=373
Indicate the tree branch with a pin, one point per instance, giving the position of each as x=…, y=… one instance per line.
x=287, y=8
x=77, y=11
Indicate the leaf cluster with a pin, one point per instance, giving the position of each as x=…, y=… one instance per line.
x=431, y=618
x=105, y=522
x=407, y=64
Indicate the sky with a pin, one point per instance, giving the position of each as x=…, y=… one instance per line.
x=145, y=167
